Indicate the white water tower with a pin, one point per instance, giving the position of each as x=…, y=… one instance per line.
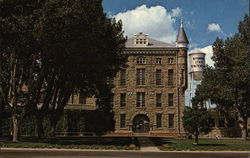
x=197, y=65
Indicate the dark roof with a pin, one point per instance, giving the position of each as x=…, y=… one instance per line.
x=152, y=44
x=182, y=37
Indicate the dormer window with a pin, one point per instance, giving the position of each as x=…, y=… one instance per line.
x=141, y=60
x=141, y=40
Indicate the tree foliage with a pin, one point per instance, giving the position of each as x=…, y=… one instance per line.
x=197, y=120
x=50, y=49
x=227, y=84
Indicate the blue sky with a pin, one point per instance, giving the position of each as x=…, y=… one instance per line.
x=196, y=14
x=204, y=20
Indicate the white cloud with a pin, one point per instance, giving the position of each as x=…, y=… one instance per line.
x=214, y=27
x=208, y=50
x=155, y=21
x=176, y=12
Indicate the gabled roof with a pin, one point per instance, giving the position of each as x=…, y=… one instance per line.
x=152, y=44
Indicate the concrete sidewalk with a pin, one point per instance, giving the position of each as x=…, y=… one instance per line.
x=147, y=145
x=72, y=150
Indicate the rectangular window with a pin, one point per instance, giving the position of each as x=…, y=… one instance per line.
x=158, y=100
x=122, y=120
x=140, y=76
x=158, y=120
x=158, y=77
x=123, y=99
x=123, y=77
x=82, y=98
x=171, y=121
x=170, y=60
x=140, y=99
x=222, y=122
x=158, y=60
x=170, y=99
x=170, y=77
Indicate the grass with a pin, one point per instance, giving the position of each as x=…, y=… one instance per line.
x=114, y=143
x=169, y=144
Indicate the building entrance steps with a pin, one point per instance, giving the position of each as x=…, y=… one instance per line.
x=146, y=144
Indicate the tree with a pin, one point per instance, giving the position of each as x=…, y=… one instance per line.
x=15, y=52
x=197, y=120
x=227, y=84
x=59, y=47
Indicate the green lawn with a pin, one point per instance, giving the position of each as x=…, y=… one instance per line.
x=204, y=144
x=114, y=143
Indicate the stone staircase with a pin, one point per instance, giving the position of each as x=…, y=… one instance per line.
x=147, y=145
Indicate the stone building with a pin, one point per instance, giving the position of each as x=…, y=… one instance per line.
x=148, y=97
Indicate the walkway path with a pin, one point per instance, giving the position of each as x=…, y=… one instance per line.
x=147, y=145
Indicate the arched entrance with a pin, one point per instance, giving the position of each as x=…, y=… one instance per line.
x=141, y=124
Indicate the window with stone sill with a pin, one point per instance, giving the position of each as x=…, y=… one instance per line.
x=158, y=120
x=140, y=76
x=158, y=60
x=170, y=60
x=158, y=77
x=123, y=77
x=158, y=100
x=122, y=120
x=170, y=77
x=141, y=60
x=170, y=99
x=122, y=99
x=140, y=99
x=171, y=121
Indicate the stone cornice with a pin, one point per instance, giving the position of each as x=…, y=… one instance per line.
x=150, y=51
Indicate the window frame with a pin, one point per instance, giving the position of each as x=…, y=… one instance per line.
x=158, y=77
x=158, y=61
x=170, y=77
x=159, y=120
x=122, y=120
x=170, y=60
x=140, y=76
x=122, y=99
x=170, y=99
x=140, y=99
x=123, y=77
x=158, y=100
x=170, y=120
x=141, y=60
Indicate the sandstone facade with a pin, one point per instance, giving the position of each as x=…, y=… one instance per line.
x=162, y=63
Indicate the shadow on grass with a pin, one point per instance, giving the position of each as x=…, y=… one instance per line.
x=158, y=141
x=211, y=145
x=119, y=141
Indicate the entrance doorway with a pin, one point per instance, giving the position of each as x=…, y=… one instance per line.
x=141, y=124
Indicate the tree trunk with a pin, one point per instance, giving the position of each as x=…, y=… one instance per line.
x=53, y=131
x=196, y=139
x=15, y=128
x=244, y=129
x=1, y=134
x=39, y=126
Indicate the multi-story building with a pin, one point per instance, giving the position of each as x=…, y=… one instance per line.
x=149, y=94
